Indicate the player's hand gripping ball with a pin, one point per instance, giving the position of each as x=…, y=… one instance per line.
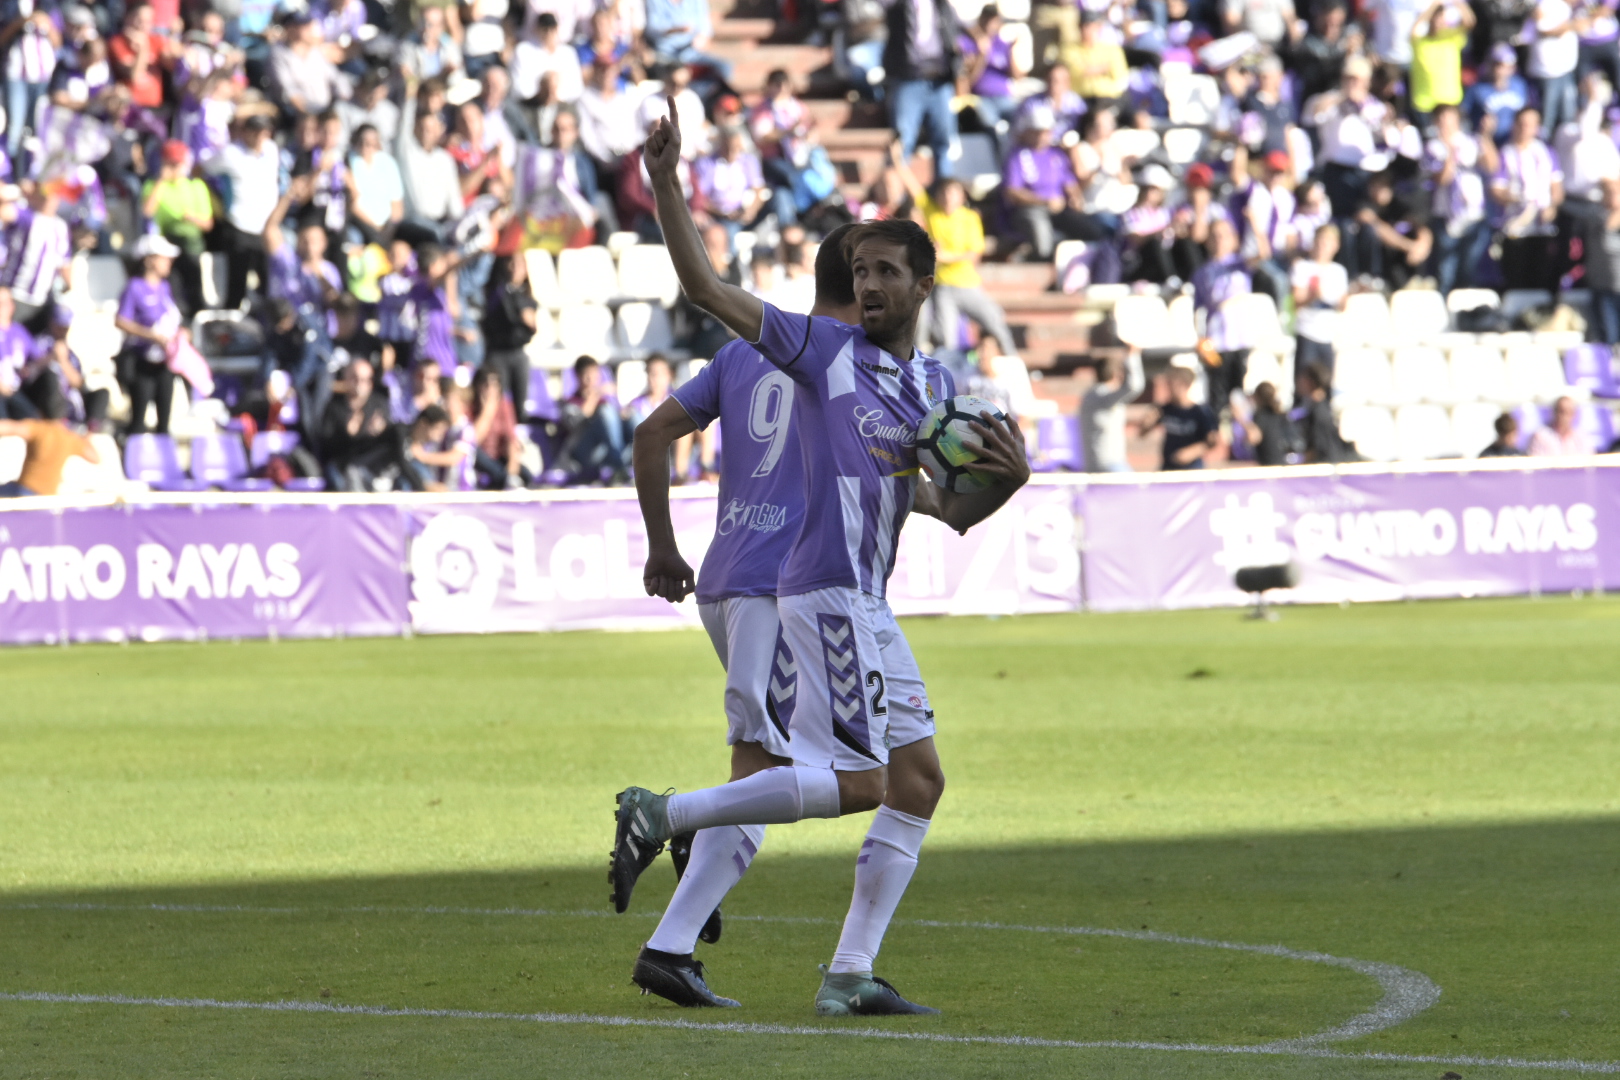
x=946, y=445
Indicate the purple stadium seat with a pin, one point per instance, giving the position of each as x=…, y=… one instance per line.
x=1598, y=424
x=220, y=461
x=1592, y=367
x=1058, y=440
x=154, y=459
x=538, y=404
x=267, y=444
x=1530, y=417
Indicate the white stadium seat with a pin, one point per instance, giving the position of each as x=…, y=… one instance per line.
x=1470, y=299
x=1133, y=142
x=1183, y=327
x=215, y=266
x=631, y=379
x=104, y=280
x=1473, y=426
x=545, y=330
x=644, y=328
x=1561, y=340
x=1143, y=322
x=647, y=273
x=1183, y=145
x=1065, y=253
x=1361, y=376
x=586, y=276
x=1258, y=311
x=95, y=340
x=1418, y=314
x=1365, y=320
x=1478, y=374
x=1267, y=366
x=1420, y=373
x=12, y=452
x=1372, y=429
x=586, y=330
x=620, y=242
x=1535, y=373
x=1193, y=99
x=1423, y=432
x=543, y=278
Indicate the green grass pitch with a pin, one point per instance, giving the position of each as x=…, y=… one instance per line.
x=341, y=823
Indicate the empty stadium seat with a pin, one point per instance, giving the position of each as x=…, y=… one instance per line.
x=586, y=276
x=1561, y=340
x=543, y=278
x=545, y=330
x=1423, y=432
x=1473, y=426
x=1598, y=423
x=1419, y=373
x=549, y=357
x=1183, y=325
x=1591, y=367
x=1267, y=366
x=1471, y=299
x=586, y=329
x=81, y=477
x=1258, y=311
x=1193, y=99
x=1362, y=376
x=220, y=461
x=154, y=460
x=646, y=273
x=1130, y=142
x=1142, y=322
x=979, y=165
x=1478, y=373
x=1183, y=145
x=1535, y=373
x=1418, y=314
x=644, y=328
x=12, y=452
x=620, y=242
x=1366, y=320
x=1371, y=428
x=104, y=280
x=538, y=404
x=630, y=377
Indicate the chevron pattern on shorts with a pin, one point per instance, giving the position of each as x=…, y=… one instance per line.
x=844, y=689
x=784, y=683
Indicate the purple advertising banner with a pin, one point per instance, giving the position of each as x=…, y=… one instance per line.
x=1355, y=535
x=190, y=567
x=129, y=572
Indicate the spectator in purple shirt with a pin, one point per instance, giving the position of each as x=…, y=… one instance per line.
x=300, y=274
x=1043, y=192
x=15, y=348
x=149, y=318
x=989, y=68
x=733, y=184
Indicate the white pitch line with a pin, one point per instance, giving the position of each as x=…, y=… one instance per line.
x=1406, y=993
x=1272, y=1049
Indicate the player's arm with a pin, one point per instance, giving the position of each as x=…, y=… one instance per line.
x=666, y=574
x=1003, y=461
x=740, y=310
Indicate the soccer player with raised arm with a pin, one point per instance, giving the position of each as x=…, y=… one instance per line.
x=761, y=508
x=859, y=394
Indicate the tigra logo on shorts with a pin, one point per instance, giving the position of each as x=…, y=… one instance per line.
x=844, y=691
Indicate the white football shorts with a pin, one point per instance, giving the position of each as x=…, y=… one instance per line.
x=859, y=692
x=760, y=680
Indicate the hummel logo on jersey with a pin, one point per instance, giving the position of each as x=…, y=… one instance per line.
x=891, y=372
x=869, y=422
x=761, y=517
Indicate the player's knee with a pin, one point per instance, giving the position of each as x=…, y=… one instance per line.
x=748, y=758
x=862, y=791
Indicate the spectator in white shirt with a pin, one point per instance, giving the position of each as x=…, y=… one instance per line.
x=305, y=79
x=571, y=16
x=1355, y=131
x=432, y=184
x=1457, y=165
x=377, y=196
x=1321, y=287
x=544, y=49
x=1554, y=52
x=371, y=105
x=1102, y=413
x=1528, y=186
x=431, y=52
x=1561, y=438
x=252, y=164
x=607, y=117
x=689, y=111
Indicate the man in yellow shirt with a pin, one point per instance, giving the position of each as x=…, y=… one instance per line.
x=1438, y=39
x=1097, y=66
x=958, y=235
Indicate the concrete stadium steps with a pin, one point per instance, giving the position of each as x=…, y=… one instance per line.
x=743, y=29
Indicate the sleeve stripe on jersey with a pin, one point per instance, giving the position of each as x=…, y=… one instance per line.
x=809, y=324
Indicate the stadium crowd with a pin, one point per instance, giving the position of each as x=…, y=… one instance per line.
x=368, y=182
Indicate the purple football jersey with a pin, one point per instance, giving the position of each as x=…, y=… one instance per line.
x=761, y=476
x=858, y=409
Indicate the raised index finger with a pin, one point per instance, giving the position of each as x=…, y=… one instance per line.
x=674, y=117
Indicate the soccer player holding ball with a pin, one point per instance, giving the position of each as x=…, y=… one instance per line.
x=861, y=734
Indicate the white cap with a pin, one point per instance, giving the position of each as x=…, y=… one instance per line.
x=152, y=244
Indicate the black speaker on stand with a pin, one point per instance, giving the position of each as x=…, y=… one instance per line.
x=1260, y=580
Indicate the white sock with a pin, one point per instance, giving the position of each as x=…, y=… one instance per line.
x=720, y=857
x=888, y=859
x=772, y=797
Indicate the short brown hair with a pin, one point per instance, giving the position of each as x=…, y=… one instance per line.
x=908, y=234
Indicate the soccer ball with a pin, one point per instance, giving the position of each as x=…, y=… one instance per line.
x=945, y=443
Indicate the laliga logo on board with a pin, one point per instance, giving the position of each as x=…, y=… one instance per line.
x=455, y=566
